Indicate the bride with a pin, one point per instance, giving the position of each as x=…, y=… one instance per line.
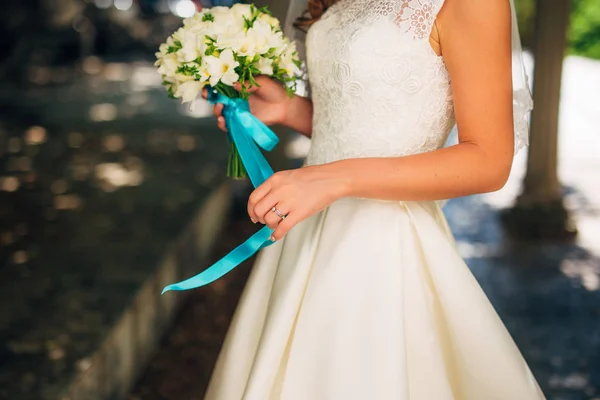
x=363, y=295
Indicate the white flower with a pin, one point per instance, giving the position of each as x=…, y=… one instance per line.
x=267, y=39
x=242, y=11
x=222, y=68
x=192, y=47
x=163, y=49
x=287, y=62
x=261, y=35
x=241, y=43
x=274, y=22
x=168, y=64
x=279, y=43
x=196, y=25
x=178, y=35
x=226, y=22
x=265, y=66
x=189, y=91
x=196, y=21
x=225, y=30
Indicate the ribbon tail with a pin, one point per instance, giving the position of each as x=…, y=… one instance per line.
x=247, y=133
x=238, y=255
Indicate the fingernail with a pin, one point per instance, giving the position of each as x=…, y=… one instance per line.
x=272, y=238
x=253, y=221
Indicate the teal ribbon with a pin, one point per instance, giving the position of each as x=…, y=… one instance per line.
x=248, y=133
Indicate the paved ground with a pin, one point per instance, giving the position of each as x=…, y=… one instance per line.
x=98, y=176
x=539, y=291
x=180, y=371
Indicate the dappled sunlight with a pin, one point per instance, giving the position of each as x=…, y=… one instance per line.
x=103, y=112
x=585, y=271
x=115, y=175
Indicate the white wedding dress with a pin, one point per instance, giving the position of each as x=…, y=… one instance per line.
x=369, y=299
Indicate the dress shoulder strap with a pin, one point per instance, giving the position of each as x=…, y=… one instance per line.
x=415, y=17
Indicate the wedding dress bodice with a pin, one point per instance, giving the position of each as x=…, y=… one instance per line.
x=378, y=88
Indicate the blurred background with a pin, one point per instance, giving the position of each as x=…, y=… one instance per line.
x=109, y=190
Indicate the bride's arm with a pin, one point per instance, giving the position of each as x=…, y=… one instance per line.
x=299, y=115
x=476, y=45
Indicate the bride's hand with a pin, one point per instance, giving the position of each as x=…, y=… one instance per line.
x=297, y=194
x=269, y=102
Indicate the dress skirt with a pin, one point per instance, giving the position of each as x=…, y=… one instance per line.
x=368, y=300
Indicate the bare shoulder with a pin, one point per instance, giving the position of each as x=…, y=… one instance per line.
x=471, y=16
x=475, y=30
x=475, y=37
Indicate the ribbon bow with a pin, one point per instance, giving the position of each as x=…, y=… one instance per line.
x=248, y=133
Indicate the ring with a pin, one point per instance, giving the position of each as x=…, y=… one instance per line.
x=279, y=214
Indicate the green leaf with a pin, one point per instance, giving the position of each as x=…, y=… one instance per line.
x=176, y=47
x=170, y=92
x=171, y=49
x=187, y=70
x=248, y=23
x=208, y=17
x=265, y=10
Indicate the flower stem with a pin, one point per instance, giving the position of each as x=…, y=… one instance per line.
x=235, y=167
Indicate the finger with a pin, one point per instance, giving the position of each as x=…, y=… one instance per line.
x=205, y=93
x=258, y=193
x=249, y=87
x=218, y=110
x=263, y=207
x=284, y=227
x=221, y=124
x=272, y=219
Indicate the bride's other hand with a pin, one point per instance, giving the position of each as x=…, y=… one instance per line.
x=297, y=194
x=269, y=102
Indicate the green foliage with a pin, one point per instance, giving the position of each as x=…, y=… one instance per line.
x=187, y=70
x=584, y=30
x=584, y=33
x=175, y=48
x=525, y=15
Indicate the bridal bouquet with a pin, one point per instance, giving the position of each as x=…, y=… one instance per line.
x=220, y=46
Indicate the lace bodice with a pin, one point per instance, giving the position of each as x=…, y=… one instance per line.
x=378, y=88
